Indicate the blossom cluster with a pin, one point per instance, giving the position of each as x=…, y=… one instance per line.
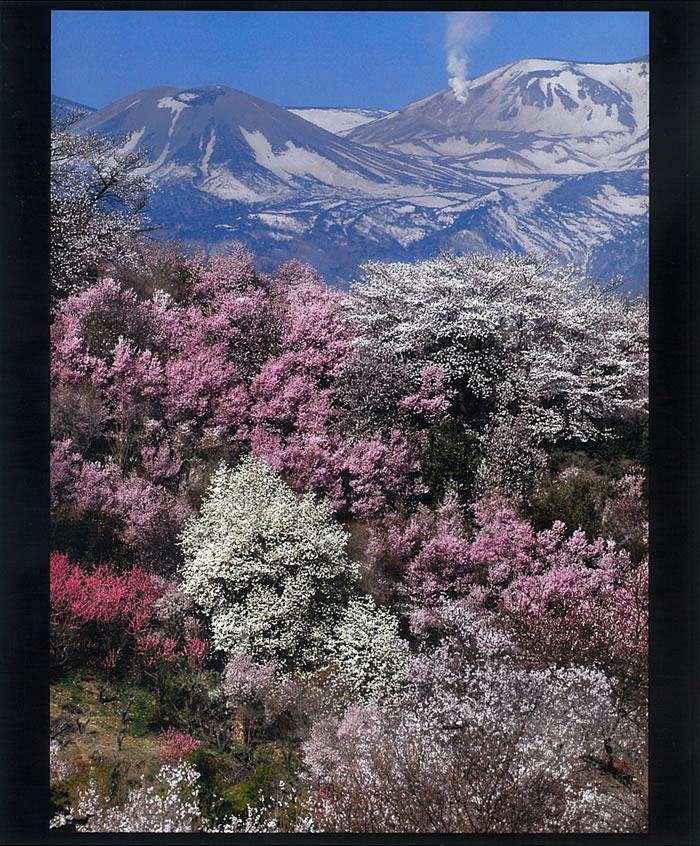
x=372, y=542
x=108, y=619
x=148, y=394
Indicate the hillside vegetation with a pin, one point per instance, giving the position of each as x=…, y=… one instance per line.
x=372, y=561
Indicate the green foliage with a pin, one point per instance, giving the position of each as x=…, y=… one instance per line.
x=184, y=700
x=451, y=457
x=263, y=781
x=70, y=686
x=64, y=793
x=227, y=787
x=217, y=770
x=626, y=446
x=59, y=797
x=581, y=473
x=110, y=779
x=575, y=496
x=145, y=716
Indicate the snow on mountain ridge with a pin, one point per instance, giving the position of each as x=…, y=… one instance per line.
x=339, y=120
x=555, y=102
x=408, y=184
x=266, y=148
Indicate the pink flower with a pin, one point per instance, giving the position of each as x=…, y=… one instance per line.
x=178, y=744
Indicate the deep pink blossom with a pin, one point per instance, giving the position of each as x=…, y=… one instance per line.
x=98, y=615
x=155, y=648
x=195, y=651
x=430, y=403
x=178, y=744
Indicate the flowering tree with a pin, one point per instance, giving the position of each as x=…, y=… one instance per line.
x=367, y=652
x=585, y=603
x=512, y=466
x=112, y=621
x=100, y=614
x=133, y=517
x=178, y=745
x=424, y=555
x=625, y=516
x=267, y=568
x=59, y=768
x=218, y=432
x=170, y=804
x=150, y=393
x=98, y=201
x=475, y=742
x=382, y=475
x=511, y=334
x=253, y=693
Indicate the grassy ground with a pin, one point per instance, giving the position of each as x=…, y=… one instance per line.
x=89, y=729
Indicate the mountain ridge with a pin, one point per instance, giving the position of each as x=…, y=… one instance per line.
x=231, y=166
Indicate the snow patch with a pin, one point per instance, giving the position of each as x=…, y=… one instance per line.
x=338, y=120
x=157, y=163
x=175, y=106
x=298, y=161
x=611, y=200
x=133, y=140
x=287, y=222
x=204, y=164
x=222, y=184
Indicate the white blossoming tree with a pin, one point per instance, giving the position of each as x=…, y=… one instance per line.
x=269, y=568
x=512, y=334
x=99, y=194
x=368, y=652
x=167, y=805
x=473, y=741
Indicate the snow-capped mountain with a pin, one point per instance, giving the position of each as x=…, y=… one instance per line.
x=339, y=120
x=543, y=154
x=234, y=146
x=533, y=116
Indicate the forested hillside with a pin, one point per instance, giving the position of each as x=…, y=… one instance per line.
x=329, y=561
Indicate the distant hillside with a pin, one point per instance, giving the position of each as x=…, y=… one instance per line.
x=340, y=120
x=63, y=108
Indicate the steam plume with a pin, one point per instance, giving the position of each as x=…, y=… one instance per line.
x=462, y=31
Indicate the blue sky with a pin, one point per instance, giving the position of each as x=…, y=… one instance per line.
x=296, y=58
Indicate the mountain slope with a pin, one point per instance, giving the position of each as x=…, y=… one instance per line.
x=339, y=120
x=63, y=108
x=537, y=116
x=515, y=167
x=237, y=147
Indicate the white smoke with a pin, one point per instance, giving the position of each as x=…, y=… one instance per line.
x=462, y=31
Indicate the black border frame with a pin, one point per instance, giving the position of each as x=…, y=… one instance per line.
x=673, y=469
